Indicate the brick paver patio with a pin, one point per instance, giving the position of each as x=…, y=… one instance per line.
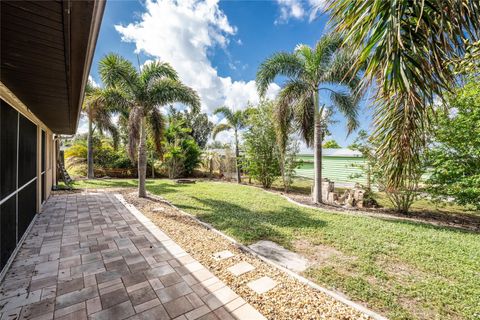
x=89, y=256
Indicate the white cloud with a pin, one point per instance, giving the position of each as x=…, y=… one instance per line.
x=299, y=9
x=93, y=82
x=290, y=9
x=183, y=33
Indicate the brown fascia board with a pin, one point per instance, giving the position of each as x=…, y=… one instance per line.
x=79, y=54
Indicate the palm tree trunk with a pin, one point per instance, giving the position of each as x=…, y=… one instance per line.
x=90, y=172
x=317, y=153
x=237, y=158
x=142, y=161
x=153, y=168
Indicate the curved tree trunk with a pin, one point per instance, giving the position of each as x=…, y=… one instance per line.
x=317, y=154
x=142, y=161
x=237, y=158
x=90, y=172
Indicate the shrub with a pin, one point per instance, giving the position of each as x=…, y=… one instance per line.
x=261, y=150
x=454, y=156
x=182, y=154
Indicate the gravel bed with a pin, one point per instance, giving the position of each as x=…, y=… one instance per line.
x=290, y=299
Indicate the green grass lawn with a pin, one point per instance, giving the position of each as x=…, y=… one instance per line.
x=402, y=269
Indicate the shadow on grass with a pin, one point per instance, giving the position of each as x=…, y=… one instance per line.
x=160, y=187
x=156, y=186
x=248, y=226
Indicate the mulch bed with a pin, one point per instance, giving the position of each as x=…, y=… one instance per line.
x=290, y=299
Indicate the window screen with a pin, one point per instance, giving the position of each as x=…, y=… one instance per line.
x=26, y=207
x=8, y=232
x=18, y=173
x=27, y=151
x=8, y=149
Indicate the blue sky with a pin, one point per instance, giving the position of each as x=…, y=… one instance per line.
x=216, y=46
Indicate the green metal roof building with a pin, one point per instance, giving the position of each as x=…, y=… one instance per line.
x=339, y=165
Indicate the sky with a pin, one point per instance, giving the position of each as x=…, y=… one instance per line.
x=215, y=46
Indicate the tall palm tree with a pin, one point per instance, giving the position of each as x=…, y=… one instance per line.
x=141, y=93
x=406, y=46
x=100, y=115
x=310, y=71
x=236, y=121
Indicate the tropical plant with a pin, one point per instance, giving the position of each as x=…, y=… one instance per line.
x=324, y=68
x=211, y=159
x=106, y=156
x=261, y=150
x=182, y=154
x=235, y=122
x=99, y=114
x=142, y=93
x=454, y=154
x=331, y=144
x=406, y=47
x=200, y=126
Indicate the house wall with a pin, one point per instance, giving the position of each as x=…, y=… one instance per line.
x=337, y=169
x=22, y=167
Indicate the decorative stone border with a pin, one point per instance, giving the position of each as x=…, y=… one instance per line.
x=240, y=311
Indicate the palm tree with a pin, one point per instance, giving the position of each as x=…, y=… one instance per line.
x=100, y=115
x=309, y=71
x=141, y=94
x=236, y=121
x=407, y=47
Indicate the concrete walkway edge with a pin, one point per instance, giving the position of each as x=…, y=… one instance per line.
x=161, y=236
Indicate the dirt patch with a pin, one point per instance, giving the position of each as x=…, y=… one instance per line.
x=290, y=299
x=316, y=254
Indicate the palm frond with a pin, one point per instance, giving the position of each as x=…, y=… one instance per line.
x=304, y=115
x=103, y=121
x=226, y=112
x=220, y=128
x=340, y=71
x=118, y=71
x=406, y=46
x=295, y=95
x=166, y=91
x=283, y=121
x=348, y=106
x=401, y=130
x=240, y=118
x=328, y=45
x=280, y=64
x=157, y=70
x=114, y=99
x=156, y=126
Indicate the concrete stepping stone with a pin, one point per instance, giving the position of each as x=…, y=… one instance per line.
x=221, y=255
x=262, y=285
x=241, y=268
x=280, y=255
